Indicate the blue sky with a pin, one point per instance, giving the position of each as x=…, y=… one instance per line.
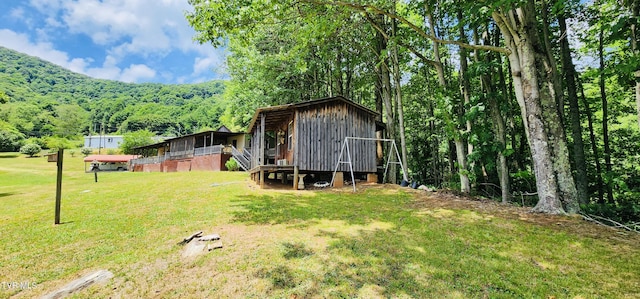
x=124, y=40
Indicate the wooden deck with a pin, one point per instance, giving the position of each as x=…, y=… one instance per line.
x=259, y=173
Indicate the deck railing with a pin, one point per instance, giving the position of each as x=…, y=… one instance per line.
x=208, y=150
x=201, y=151
x=148, y=160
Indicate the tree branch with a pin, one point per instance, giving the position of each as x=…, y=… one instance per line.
x=408, y=47
x=365, y=8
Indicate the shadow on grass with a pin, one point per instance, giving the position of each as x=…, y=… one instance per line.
x=290, y=208
x=422, y=257
x=7, y=194
x=6, y=156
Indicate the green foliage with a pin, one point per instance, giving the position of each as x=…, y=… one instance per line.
x=30, y=149
x=70, y=121
x=42, y=142
x=3, y=97
x=232, y=165
x=55, y=143
x=135, y=139
x=10, y=138
x=86, y=151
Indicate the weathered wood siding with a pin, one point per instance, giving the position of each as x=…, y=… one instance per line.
x=321, y=130
x=255, y=148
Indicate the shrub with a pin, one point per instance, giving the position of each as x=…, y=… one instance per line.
x=72, y=153
x=232, y=165
x=86, y=151
x=10, y=140
x=30, y=149
x=39, y=141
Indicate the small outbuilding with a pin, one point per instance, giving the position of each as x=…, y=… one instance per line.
x=307, y=138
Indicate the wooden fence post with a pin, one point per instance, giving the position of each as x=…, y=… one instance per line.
x=59, y=185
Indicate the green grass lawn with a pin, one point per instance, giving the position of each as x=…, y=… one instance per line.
x=382, y=241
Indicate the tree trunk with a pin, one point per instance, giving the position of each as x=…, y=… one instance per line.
x=605, y=117
x=554, y=77
x=460, y=147
x=397, y=78
x=594, y=145
x=464, y=82
x=496, y=115
x=379, y=134
x=552, y=116
x=514, y=27
x=385, y=79
x=582, y=180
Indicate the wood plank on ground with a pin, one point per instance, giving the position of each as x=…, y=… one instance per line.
x=81, y=283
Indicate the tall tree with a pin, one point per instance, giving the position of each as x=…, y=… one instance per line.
x=569, y=73
x=398, y=87
x=605, y=115
x=527, y=61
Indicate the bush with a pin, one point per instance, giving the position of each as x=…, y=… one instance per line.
x=86, y=151
x=10, y=140
x=39, y=141
x=30, y=149
x=232, y=165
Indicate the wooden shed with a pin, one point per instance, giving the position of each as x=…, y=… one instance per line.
x=307, y=137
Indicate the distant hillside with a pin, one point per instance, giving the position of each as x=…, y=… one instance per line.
x=40, y=96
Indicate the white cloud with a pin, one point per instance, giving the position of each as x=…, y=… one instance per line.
x=203, y=64
x=131, y=26
x=137, y=71
x=17, y=13
x=210, y=60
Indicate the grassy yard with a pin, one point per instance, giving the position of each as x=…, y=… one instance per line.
x=382, y=241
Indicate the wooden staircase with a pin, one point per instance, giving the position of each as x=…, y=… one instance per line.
x=243, y=158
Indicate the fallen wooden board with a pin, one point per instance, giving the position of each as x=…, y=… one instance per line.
x=214, y=245
x=211, y=237
x=80, y=283
x=189, y=238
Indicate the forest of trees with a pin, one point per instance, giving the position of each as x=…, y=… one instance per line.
x=42, y=101
x=497, y=98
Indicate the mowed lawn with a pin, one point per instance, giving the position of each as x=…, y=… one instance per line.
x=382, y=241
